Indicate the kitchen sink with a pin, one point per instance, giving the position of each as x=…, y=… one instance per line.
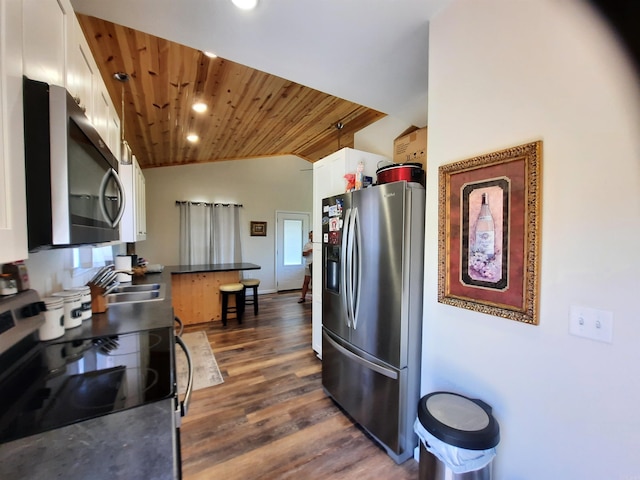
x=136, y=293
x=137, y=288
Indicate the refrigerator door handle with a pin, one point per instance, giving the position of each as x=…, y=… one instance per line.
x=344, y=266
x=356, y=267
x=387, y=372
x=349, y=287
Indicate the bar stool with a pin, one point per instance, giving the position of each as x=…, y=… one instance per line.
x=236, y=289
x=252, y=283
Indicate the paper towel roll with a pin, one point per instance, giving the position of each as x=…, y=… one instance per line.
x=123, y=262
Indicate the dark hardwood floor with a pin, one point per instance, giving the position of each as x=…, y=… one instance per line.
x=270, y=419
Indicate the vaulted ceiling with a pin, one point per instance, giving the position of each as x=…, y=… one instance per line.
x=288, y=72
x=249, y=113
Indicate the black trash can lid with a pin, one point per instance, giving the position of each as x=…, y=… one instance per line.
x=459, y=421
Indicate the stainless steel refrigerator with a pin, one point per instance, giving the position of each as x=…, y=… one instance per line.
x=372, y=282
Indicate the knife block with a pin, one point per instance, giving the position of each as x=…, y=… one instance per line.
x=98, y=301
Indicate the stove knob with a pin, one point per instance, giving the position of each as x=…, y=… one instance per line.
x=32, y=309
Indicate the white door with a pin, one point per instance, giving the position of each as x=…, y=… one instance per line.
x=292, y=232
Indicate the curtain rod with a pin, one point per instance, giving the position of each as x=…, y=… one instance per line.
x=182, y=202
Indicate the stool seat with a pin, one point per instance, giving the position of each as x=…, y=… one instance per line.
x=251, y=283
x=236, y=289
x=231, y=287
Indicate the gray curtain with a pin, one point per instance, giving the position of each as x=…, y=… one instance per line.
x=209, y=233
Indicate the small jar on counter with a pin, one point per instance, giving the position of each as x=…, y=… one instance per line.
x=72, y=308
x=85, y=300
x=53, y=326
x=8, y=285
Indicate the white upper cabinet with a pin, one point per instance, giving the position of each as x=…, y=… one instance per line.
x=80, y=68
x=141, y=208
x=44, y=39
x=88, y=88
x=56, y=52
x=101, y=117
x=114, y=136
x=13, y=215
x=133, y=226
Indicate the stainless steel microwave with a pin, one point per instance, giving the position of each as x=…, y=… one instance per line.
x=74, y=194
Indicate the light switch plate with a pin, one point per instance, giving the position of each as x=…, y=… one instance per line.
x=591, y=323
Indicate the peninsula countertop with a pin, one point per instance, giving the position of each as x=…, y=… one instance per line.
x=211, y=267
x=196, y=289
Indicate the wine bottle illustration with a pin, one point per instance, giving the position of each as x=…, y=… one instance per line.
x=485, y=230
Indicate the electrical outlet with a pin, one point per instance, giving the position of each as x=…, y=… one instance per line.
x=591, y=323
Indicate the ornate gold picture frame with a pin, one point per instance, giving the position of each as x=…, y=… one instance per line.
x=489, y=233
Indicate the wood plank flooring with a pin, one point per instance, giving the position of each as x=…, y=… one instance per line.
x=270, y=419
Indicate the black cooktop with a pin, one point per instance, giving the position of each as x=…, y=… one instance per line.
x=59, y=384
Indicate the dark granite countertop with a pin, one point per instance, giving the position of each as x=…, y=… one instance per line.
x=135, y=443
x=212, y=267
x=128, y=317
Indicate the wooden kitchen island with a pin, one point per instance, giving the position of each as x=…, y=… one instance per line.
x=195, y=289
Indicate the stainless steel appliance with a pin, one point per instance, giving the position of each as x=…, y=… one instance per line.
x=74, y=194
x=372, y=308
x=49, y=385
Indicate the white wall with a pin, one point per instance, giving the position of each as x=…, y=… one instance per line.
x=53, y=270
x=505, y=73
x=378, y=137
x=261, y=185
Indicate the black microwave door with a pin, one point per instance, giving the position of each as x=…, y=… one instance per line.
x=95, y=193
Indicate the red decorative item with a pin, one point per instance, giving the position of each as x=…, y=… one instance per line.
x=411, y=172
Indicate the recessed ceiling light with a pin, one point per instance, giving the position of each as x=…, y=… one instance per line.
x=200, y=107
x=192, y=137
x=210, y=54
x=245, y=4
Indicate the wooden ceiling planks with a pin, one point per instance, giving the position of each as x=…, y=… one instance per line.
x=250, y=113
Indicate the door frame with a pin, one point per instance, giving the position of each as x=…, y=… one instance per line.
x=277, y=244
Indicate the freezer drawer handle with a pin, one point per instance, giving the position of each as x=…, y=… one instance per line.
x=370, y=365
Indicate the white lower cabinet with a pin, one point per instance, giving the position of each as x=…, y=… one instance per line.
x=13, y=212
x=133, y=226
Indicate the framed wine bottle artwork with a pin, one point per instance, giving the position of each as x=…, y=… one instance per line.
x=489, y=233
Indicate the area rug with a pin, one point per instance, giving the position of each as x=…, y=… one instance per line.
x=206, y=372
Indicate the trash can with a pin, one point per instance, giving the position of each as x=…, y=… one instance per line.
x=458, y=436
